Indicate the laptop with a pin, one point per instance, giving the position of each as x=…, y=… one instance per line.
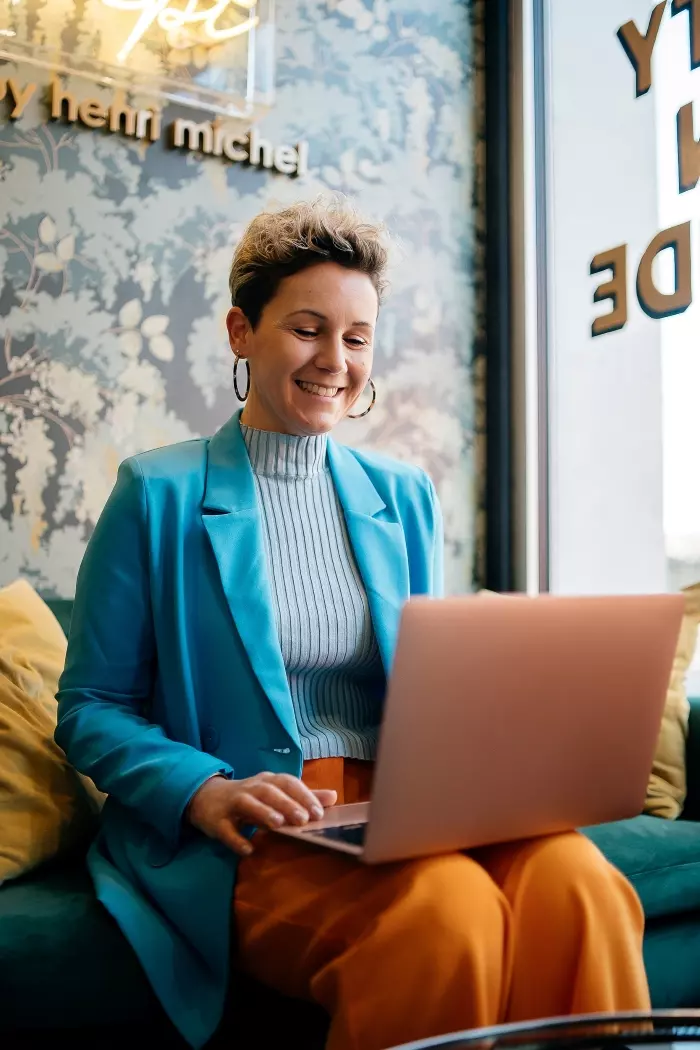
x=510, y=717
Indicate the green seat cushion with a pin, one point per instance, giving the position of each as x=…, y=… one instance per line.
x=62, y=608
x=63, y=960
x=672, y=958
x=661, y=858
x=64, y=964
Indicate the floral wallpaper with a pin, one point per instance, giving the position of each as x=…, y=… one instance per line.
x=114, y=257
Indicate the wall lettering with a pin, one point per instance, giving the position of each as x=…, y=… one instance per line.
x=658, y=304
x=208, y=137
x=688, y=150
x=639, y=48
x=18, y=96
x=615, y=289
x=693, y=9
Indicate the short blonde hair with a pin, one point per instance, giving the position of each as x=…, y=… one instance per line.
x=278, y=244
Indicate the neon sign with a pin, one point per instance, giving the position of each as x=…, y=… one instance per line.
x=213, y=55
x=187, y=26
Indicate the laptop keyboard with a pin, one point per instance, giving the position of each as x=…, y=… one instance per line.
x=353, y=834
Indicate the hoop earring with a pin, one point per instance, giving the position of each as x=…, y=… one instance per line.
x=241, y=397
x=359, y=415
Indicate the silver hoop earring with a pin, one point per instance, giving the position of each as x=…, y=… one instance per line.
x=241, y=397
x=359, y=415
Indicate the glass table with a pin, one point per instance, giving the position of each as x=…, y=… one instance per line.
x=661, y=1028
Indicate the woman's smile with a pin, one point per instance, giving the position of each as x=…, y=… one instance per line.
x=316, y=390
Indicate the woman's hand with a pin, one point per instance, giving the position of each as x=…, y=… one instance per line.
x=267, y=800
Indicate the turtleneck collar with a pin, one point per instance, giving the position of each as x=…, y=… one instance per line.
x=285, y=455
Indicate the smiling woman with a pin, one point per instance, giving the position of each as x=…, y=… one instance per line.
x=235, y=618
x=306, y=285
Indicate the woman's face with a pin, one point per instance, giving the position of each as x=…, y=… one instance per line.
x=311, y=354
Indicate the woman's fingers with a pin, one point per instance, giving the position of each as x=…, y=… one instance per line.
x=269, y=805
x=293, y=811
x=297, y=790
x=326, y=797
x=269, y=801
x=264, y=812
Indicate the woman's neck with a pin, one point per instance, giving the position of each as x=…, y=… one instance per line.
x=284, y=455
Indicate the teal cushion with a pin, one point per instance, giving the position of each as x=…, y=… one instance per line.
x=672, y=959
x=691, y=810
x=62, y=609
x=65, y=965
x=661, y=858
x=63, y=961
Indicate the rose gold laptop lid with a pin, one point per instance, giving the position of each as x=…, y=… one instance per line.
x=513, y=717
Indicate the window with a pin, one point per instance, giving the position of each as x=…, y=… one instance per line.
x=617, y=493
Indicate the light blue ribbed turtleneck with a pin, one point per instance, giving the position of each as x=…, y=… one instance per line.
x=326, y=635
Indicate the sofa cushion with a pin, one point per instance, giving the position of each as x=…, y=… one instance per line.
x=63, y=960
x=667, y=786
x=62, y=608
x=65, y=965
x=46, y=805
x=672, y=960
x=661, y=858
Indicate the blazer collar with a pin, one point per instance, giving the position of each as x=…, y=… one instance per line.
x=230, y=485
x=355, y=490
x=232, y=521
x=378, y=543
x=231, y=517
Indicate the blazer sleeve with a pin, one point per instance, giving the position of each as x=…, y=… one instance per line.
x=105, y=690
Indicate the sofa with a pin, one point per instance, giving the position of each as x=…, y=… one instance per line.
x=68, y=977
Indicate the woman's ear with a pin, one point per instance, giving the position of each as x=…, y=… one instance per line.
x=239, y=331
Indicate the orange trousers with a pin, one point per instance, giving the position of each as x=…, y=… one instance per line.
x=405, y=951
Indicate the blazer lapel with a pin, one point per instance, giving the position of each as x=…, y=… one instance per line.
x=231, y=518
x=378, y=544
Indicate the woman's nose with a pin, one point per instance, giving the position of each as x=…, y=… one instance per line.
x=331, y=355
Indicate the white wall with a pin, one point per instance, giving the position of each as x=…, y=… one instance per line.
x=606, y=495
x=675, y=86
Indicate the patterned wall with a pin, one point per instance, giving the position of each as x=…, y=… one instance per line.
x=114, y=260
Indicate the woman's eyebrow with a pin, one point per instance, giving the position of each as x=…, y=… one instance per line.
x=314, y=313
x=322, y=317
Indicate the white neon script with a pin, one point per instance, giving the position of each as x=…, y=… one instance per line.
x=180, y=19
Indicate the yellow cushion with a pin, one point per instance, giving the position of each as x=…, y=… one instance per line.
x=45, y=805
x=667, y=784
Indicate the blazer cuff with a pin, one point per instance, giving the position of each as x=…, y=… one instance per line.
x=179, y=787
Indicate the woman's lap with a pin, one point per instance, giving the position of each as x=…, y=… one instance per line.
x=297, y=902
x=299, y=908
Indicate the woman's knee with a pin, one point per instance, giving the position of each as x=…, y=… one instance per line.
x=453, y=900
x=570, y=857
x=568, y=868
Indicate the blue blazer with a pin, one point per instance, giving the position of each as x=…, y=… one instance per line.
x=174, y=673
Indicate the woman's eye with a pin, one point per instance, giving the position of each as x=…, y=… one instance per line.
x=307, y=333
x=356, y=342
